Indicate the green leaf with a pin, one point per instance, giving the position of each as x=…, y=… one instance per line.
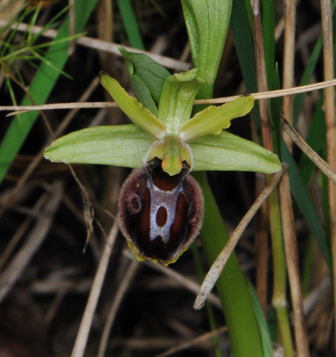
x=304, y=202
x=213, y=120
x=226, y=152
x=265, y=336
x=119, y=145
x=316, y=140
x=139, y=115
x=131, y=24
x=151, y=73
x=177, y=98
x=231, y=286
x=207, y=23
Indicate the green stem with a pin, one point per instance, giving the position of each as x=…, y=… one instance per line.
x=279, y=300
x=286, y=338
x=231, y=286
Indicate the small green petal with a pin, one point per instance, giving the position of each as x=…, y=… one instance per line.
x=173, y=152
x=228, y=152
x=132, y=108
x=213, y=120
x=119, y=145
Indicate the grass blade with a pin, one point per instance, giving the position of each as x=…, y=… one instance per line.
x=39, y=89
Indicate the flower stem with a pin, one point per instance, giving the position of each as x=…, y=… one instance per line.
x=231, y=286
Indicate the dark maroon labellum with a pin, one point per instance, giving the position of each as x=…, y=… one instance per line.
x=160, y=215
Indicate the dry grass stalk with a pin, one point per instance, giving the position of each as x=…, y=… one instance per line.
x=289, y=51
x=219, y=264
x=119, y=296
x=291, y=251
x=85, y=326
x=329, y=107
x=33, y=241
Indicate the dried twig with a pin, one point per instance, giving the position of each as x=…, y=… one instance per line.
x=32, y=243
x=314, y=157
x=193, y=342
x=85, y=326
x=219, y=264
x=292, y=261
x=104, y=46
x=184, y=281
x=93, y=105
x=122, y=288
x=329, y=107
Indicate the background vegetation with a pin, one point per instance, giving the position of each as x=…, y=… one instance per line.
x=45, y=276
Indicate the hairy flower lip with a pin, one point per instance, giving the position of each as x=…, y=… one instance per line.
x=142, y=195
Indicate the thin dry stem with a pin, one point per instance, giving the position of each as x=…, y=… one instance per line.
x=193, y=342
x=32, y=243
x=314, y=157
x=219, y=264
x=37, y=159
x=288, y=68
x=177, y=277
x=72, y=26
x=21, y=231
x=104, y=46
x=257, y=96
x=279, y=268
x=261, y=75
x=329, y=107
x=122, y=289
x=291, y=251
x=85, y=326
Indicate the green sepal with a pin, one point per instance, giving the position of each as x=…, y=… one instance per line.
x=177, y=98
x=119, y=145
x=228, y=152
x=143, y=94
x=151, y=73
x=139, y=115
x=213, y=120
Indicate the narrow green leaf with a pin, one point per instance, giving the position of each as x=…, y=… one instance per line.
x=40, y=88
x=241, y=30
x=119, y=145
x=139, y=115
x=213, y=120
x=265, y=336
x=207, y=23
x=130, y=24
x=316, y=140
x=151, y=73
x=226, y=151
x=269, y=22
x=305, y=203
x=309, y=70
x=243, y=40
x=231, y=285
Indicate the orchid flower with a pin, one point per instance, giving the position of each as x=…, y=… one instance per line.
x=161, y=205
